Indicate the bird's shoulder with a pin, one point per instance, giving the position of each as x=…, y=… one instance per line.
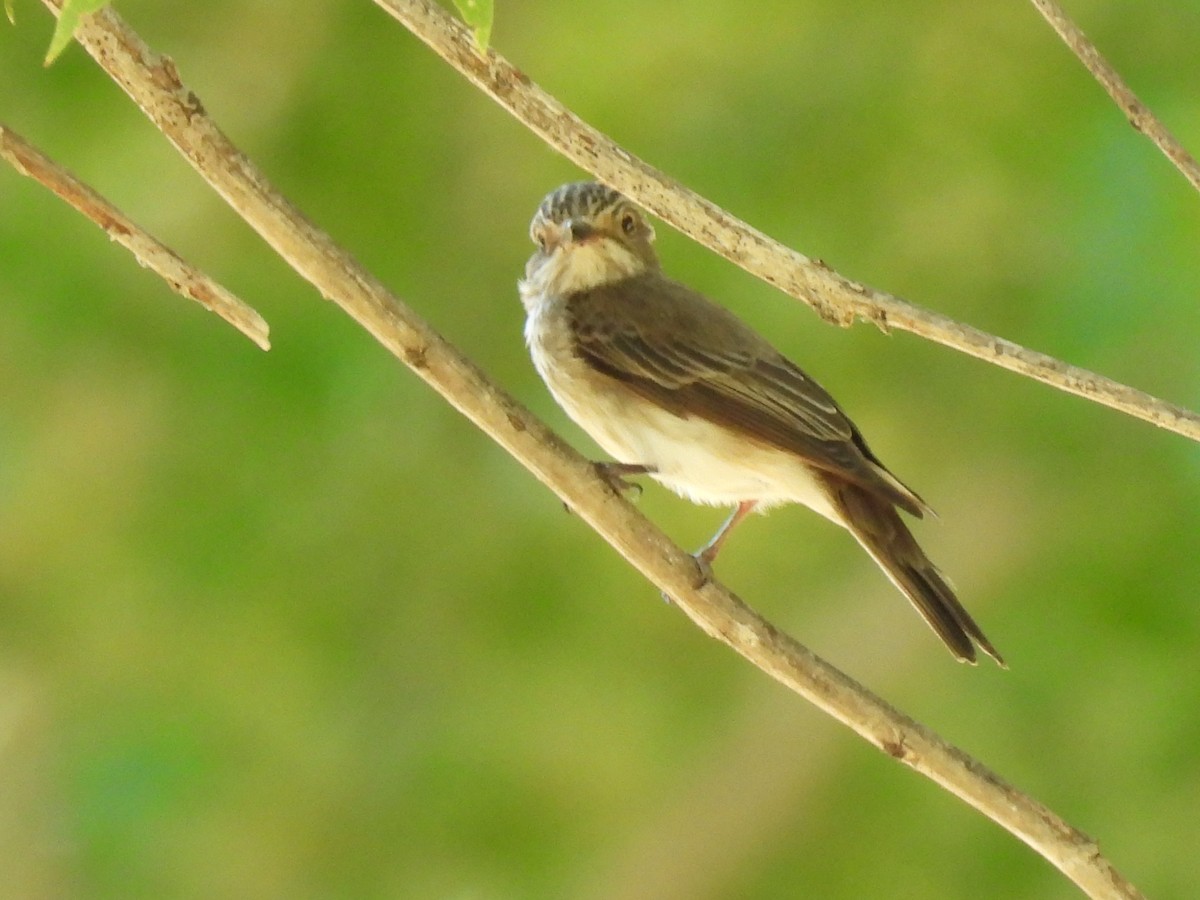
x=658, y=309
x=662, y=333
x=651, y=317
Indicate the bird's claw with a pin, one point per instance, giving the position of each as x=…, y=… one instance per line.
x=704, y=574
x=615, y=473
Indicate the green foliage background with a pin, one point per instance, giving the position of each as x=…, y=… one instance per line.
x=285, y=625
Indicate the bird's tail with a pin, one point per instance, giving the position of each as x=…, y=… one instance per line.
x=877, y=525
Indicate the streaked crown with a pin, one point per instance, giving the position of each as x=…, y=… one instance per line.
x=578, y=200
x=600, y=207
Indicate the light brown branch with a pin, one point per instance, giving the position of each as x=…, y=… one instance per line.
x=1139, y=116
x=183, y=278
x=154, y=85
x=834, y=297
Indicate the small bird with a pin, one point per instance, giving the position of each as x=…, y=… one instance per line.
x=678, y=388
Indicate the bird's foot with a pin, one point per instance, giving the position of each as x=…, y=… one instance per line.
x=704, y=573
x=704, y=569
x=615, y=474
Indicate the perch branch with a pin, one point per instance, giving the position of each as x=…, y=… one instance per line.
x=834, y=297
x=153, y=83
x=184, y=279
x=1139, y=116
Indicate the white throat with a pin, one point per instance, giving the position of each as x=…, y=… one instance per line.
x=572, y=268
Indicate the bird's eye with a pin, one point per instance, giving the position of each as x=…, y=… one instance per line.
x=629, y=222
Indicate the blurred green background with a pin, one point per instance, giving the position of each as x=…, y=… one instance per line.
x=286, y=625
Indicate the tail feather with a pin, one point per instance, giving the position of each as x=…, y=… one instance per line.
x=877, y=525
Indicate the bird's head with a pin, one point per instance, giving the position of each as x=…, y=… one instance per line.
x=587, y=235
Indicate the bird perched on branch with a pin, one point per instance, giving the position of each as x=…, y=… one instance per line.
x=678, y=388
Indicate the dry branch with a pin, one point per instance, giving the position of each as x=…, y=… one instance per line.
x=834, y=297
x=154, y=84
x=1139, y=116
x=184, y=279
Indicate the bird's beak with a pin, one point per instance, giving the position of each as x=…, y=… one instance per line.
x=578, y=231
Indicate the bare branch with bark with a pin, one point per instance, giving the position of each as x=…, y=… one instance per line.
x=184, y=279
x=1138, y=114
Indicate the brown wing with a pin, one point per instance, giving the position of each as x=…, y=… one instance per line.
x=679, y=350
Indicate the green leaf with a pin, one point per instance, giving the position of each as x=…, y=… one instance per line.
x=477, y=14
x=68, y=20
x=8, y=9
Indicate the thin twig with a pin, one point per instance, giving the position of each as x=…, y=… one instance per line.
x=1139, y=116
x=834, y=297
x=154, y=84
x=183, y=278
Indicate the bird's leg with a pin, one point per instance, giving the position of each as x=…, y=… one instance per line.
x=615, y=474
x=706, y=554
